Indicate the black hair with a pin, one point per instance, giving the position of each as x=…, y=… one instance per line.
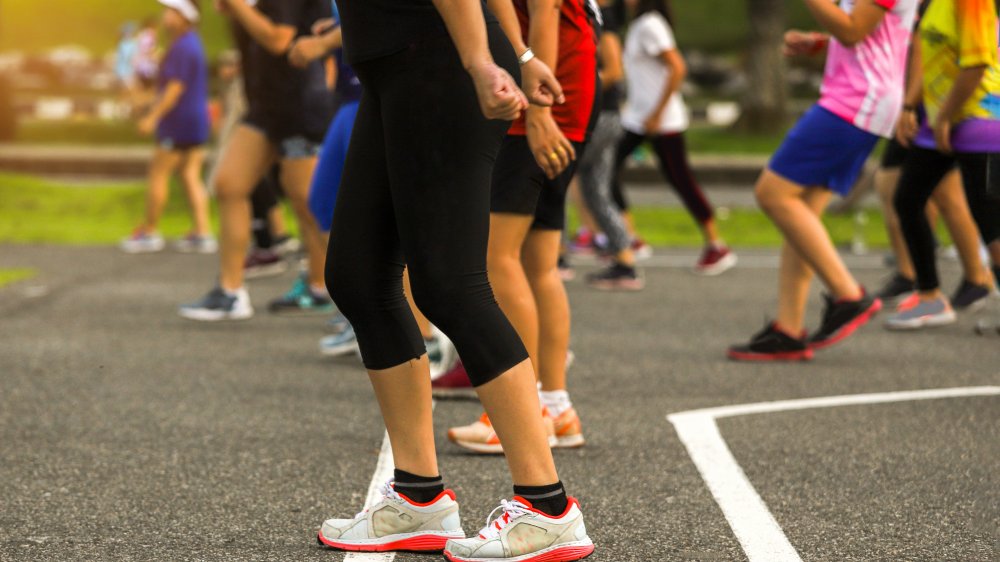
x=661, y=7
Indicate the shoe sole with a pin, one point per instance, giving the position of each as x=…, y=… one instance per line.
x=570, y=441
x=490, y=449
x=804, y=355
x=419, y=543
x=454, y=393
x=849, y=328
x=722, y=266
x=266, y=271
x=214, y=316
x=565, y=553
x=636, y=285
x=935, y=321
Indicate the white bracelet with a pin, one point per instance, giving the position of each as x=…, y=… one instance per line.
x=526, y=57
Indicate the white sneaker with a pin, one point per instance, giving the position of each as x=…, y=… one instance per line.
x=141, y=242
x=197, y=244
x=396, y=523
x=524, y=534
x=441, y=353
x=219, y=305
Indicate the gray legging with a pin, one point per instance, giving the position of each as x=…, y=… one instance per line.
x=596, y=172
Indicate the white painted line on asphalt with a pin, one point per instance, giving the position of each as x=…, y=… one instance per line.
x=759, y=534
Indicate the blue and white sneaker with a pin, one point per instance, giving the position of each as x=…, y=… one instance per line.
x=337, y=324
x=301, y=300
x=340, y=344
x=142, y=242
x=219, y=305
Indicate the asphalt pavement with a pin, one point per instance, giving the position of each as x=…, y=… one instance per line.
x=127, y=433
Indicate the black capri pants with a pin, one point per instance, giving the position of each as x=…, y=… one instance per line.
x=923, y=171
x=416, y=192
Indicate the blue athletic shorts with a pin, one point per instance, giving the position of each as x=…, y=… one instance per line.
x=326, y=178
x=823, y=150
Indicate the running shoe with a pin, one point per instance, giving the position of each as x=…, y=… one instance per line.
x=566, y=272
x=301, y=300
x=772, y=344
x=716, y=259
x=441, y=353
x=641, y=249
x=197, y=244
x=219, y=305
x=926, y=314
x=142, y=242
x=616, y=277
x=910, y=301
x=396, y=523
x=286, y=245
x=454, y=383
x=843, y=318
x=897, y=286
x=582, y=243
x=263, y=263
x=337, y=324
x=521, y=533
x=479, y=436
x=569, y=430
x=970, y=297
x=341, y=344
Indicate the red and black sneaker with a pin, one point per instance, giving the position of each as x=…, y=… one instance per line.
x=841, y=318
x=772, y=344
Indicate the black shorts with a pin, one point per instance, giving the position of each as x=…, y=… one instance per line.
x=520, y=186
x=291, y=144
x=894, y=155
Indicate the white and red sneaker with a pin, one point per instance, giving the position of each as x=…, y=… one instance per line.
x=396, y=523
x=716, y=259
x=479, y=436
x=523, y=534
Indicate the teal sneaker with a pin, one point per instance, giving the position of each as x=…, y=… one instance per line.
x=301, y=301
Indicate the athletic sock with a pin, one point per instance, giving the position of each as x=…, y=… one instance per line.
x=557, y=401
x=420, y=489
x=550, y=500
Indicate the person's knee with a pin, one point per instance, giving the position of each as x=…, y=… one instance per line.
x=769, y=198
x=446, y=297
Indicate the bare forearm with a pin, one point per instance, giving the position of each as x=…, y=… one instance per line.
x=915, y=76
x=168, y=101
x=965, y=85
x=543, y=36
x=505, y=14
x=464, y=20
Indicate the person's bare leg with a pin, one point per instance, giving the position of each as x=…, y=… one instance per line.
x=886, y=181
x=795, y=275
x=276, y=218
x=506, y=272
x=422, y=322
x=582, y=211
x=511, y=401
x=194, y=187
x=710, y=232
x=949, y=196
x=158, y=189
x=296, y=179
x=245, y=160
x=539, y=257
x=785, y=203
x=404, y=396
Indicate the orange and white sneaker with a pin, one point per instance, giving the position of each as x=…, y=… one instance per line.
x=569, y=430
x=523, y=534
x=479, y=436
x=396, y=523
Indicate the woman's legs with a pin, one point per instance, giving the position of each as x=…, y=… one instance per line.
x=672, y=155
x=508, y=233
x=923, y=171
x=954, y=208
x=158, y=189
x=246, y=159
x=539, y=259
x=296, y=178
x=795, y=275
x=626, y=146
x=197, y=196
x=596, y=178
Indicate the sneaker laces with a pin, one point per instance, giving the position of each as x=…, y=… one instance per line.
x=388, y=493
x=511, y=510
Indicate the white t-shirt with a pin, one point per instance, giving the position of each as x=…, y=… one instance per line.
x=646, y=75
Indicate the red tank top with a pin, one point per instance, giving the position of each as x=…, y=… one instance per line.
x=576, y=68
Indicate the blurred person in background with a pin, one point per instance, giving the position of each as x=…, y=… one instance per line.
x=288, y=115
x=179, y=119
x=146, y=62
x=655, y=112
x=958, y=83
x=824, y=153
x=125, y=53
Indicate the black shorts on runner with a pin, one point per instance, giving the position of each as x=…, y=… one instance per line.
x=894, y=155
x=291, y=145
x=520, y=186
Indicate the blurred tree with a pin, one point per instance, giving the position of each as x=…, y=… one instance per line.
x=764, y=104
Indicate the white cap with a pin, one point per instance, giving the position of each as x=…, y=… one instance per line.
x=185, y=7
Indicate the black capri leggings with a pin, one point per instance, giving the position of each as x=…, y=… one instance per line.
x=416, y=191
x=922, y=172
x=671, y=152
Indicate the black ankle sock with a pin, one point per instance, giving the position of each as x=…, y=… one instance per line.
x=550, y=499
x=420, y=489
